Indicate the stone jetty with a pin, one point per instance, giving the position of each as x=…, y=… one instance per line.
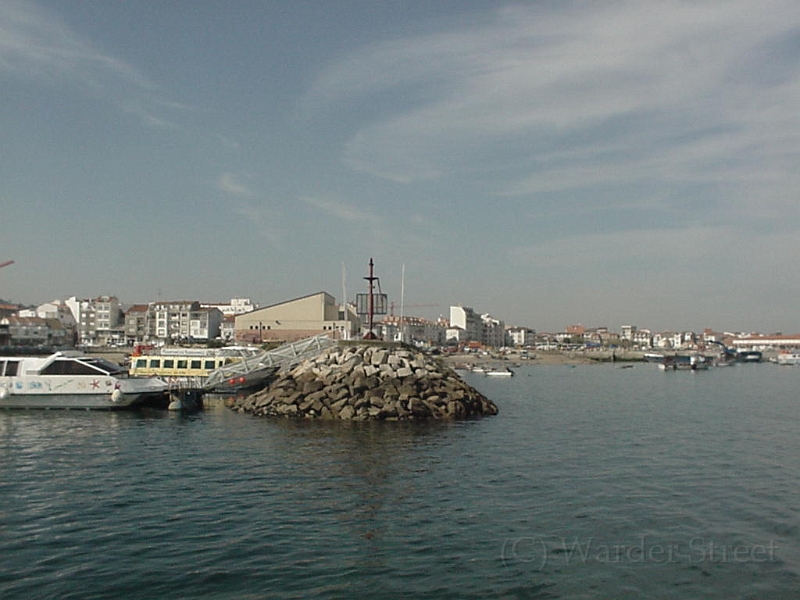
x=366, y=381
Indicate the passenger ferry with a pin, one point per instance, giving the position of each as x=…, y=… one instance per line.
x=72, y=380
x=187, y=367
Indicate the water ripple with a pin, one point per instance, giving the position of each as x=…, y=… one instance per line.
x=592, y=482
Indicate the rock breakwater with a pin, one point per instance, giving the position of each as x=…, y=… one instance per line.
x=367, y=381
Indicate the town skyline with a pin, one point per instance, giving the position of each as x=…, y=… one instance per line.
x=414, y=313
x=553, y=162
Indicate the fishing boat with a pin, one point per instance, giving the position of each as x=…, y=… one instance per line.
x=72, y=380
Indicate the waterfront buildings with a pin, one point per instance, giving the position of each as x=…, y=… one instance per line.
x=100, y=322
x=103, y=321
x=521, y=337
x=413, y=330
x=182, y=321
x=767, y=342
x=467, y=326
x=33, y=331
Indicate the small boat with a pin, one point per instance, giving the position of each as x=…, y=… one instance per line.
x=684, y=362
x=750, y=356
x=72, y=380
x=788, y=358
x=504, y=372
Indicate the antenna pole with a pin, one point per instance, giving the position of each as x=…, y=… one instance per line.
x=402, y=301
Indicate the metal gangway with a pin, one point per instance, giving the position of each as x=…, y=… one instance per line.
x=282, y=358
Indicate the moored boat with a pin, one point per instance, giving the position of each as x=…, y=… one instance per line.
x=72, y=380
x=189, y=368
x=749, y=356
x=788, y=358
x=684, y=362
x=502, y=372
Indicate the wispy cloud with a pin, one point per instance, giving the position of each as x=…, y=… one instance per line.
x=35, y=43
x=232, y=185
x=341, y=210
x=670, y=93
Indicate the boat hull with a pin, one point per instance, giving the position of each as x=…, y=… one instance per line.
x=246, y=382
x=682, y=362
x=99, y=393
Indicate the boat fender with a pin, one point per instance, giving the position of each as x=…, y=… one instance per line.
x=116, y=395
x=4, y=393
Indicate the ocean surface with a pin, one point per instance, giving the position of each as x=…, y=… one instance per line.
x=592, y=482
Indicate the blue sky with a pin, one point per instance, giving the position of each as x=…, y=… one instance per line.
x=550, y=163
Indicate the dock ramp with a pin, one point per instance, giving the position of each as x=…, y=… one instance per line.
x=282, y=358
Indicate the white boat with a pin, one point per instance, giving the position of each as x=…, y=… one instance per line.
x=684, y=362
x=72, y=380
x=504, y=372
x=788, y=358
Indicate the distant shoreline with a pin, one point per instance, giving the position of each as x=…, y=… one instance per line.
x=546, y=358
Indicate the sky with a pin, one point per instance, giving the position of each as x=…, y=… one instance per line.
x=546, y=162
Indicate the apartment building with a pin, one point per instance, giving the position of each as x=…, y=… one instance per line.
x=467, y=326
x=181, y=321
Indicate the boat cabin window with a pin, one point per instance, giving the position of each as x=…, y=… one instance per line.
x=141, y=363
x=68, y=367
x=209, y=365
x=182, y=364
x=169, y=363
x=104, y=365
x=9, y=368
x=155, y=363
x=196, y=364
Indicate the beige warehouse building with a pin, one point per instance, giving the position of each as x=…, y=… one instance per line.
x=297, y=319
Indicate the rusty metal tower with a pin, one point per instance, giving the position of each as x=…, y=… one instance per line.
x=371, y=303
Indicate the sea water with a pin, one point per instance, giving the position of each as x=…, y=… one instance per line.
x=592, y=482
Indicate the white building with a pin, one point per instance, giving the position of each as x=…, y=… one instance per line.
x=642, y=338
x=99, y=320
x=237, y=306
x=767, y=342
x=493, y=333
x=674, y=340
x=469, y=327
x=468, y=321
x=182, y=321
x=521, y=337
x=412, y=330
